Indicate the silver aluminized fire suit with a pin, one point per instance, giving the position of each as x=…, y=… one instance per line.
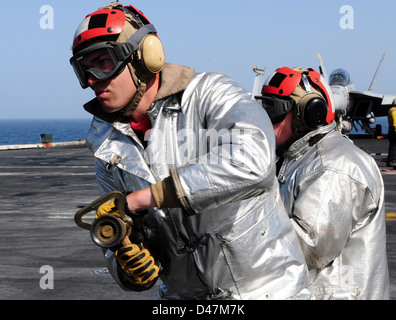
x=334, y=194
x=232, y=238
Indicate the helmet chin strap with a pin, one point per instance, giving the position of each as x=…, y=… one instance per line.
x=128, y=110
x=141, y=85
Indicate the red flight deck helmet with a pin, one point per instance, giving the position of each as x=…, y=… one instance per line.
x=125, y=37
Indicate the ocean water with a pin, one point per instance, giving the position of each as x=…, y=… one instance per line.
x=26, y=131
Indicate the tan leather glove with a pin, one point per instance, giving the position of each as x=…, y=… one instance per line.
x=138, y=265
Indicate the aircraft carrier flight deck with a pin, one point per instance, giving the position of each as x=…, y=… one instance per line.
x=40, y=191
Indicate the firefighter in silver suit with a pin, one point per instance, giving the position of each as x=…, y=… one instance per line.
x=195, y=157
x=332, y=190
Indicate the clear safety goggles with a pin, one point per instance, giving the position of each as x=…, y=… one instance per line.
x=277, y=107
x=102, y=60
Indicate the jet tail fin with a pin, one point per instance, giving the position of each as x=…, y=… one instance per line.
x=322, y=68
x=376, y=73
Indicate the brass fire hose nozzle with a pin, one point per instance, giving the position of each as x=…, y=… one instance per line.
x=106, y=231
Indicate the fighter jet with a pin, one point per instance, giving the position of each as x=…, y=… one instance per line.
x=354, y=107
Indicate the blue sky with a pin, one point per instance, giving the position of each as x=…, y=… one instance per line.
x=227, y=36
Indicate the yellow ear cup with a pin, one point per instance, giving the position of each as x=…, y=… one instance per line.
x=152, y=53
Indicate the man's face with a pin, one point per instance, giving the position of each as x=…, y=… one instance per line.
x=283, y=130
x=115, y=93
